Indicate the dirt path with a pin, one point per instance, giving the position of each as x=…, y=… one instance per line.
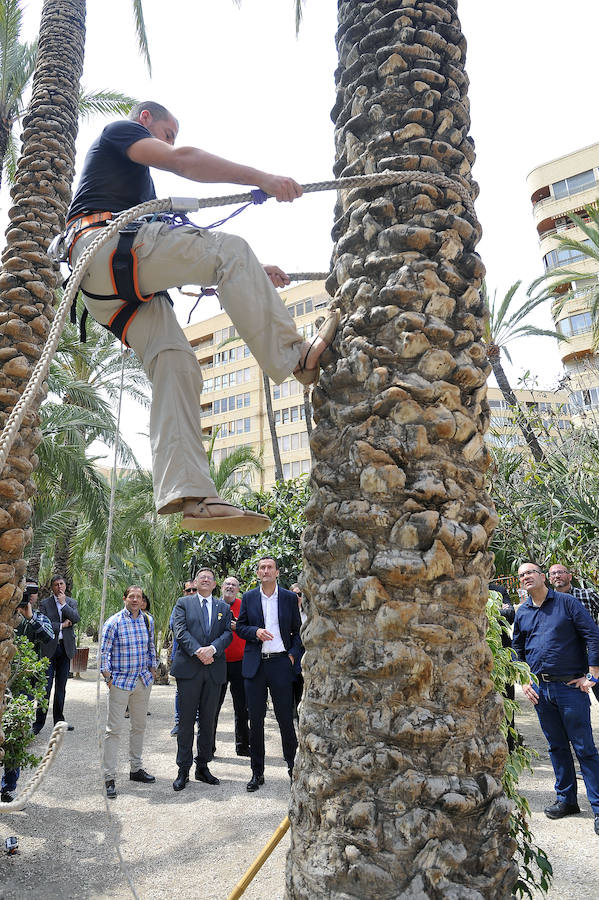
x=198, y=843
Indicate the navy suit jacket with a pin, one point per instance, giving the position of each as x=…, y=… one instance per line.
x=190, y=634
x=69, y=611
x=251, y=618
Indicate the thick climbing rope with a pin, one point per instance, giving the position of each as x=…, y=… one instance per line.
x=99, y=728
x=54, y=744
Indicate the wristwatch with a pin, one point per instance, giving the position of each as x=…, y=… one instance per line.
x=592, y=678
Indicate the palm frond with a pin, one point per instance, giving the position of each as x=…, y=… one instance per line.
x=104, y=103
x=140, y=30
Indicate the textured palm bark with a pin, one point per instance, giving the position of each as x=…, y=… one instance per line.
x=397, y=785
x=27, y=281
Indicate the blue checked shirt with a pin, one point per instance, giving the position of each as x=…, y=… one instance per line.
x=128, y=652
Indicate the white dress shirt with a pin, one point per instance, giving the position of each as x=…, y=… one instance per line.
x=60, y=609
x=270, y=609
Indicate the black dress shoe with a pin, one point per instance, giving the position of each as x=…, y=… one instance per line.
x=242, y=751
x=203, y=773
x=7, y=797
x=559, y=809
x=254, y=783
x=181, y=780
x=110, y=789
x=37, y=728
x=142, y=775
x=175, y=729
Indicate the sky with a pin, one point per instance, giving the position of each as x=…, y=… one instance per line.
x=244, y=87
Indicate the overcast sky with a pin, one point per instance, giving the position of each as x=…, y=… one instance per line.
x=244, y=87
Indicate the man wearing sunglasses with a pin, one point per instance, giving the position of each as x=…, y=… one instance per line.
x=552, y=633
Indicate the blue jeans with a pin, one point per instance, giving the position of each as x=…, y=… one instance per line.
x=9, y=779
x=565, y=716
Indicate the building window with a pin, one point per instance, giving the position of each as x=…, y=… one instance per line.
x=276, y=392
x=216, y=407
x=294, y=414
x=309, y=305
x=239, y=401
x=285, y=416
x=577, y=324
x=565, y=256
x=286, y=443
x=304, y=440
x=208, y=384
x=286, y=470
x=277, y=417
x=295, y=441
x=247, y=374
x=247, y=424
x=574, y=185
x=285, y=389
x=246, y=399
x=299, y=309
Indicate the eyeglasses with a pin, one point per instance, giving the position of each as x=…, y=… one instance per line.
x=531, y=572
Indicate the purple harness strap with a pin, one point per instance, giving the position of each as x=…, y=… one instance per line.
x=179, y=219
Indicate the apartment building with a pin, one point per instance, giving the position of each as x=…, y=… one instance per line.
x=548, y=411
x=233, y=399
x=558, y=188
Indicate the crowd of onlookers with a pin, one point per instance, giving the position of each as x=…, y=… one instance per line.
x=250, y=643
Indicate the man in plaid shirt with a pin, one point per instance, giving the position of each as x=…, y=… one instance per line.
x=128, y=661
x=561, y=579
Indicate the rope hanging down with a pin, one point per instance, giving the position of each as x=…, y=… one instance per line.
x=54, y=744
x=174, y=205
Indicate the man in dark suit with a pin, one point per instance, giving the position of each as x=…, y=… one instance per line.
x=202, y=627
x=269, y=622
x=63, y=614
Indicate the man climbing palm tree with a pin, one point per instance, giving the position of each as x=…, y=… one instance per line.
x=125, y=286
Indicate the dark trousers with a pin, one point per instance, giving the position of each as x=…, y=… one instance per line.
x=198, y=696
x=565, y=717
x=235, y=680
x=276, y=675
x=58, y=673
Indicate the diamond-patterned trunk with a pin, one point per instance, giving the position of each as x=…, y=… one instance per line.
x=397, y=783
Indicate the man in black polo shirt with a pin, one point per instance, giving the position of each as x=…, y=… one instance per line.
x=552, y=632
x=115, y=177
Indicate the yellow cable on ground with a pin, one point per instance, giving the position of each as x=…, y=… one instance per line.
x=240, y=887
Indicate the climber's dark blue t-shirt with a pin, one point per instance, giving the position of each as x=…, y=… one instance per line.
x=110, y=181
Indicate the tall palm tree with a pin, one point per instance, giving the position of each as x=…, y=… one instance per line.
x=270, y=416
x=28, y=279
x=503, y=326
x=397, y=783
x=17, y=62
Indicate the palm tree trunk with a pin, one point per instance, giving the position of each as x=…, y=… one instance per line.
x=397, y=782
x=5, y=129
x=273, y=429
x=521, y=418
x=308, y=412
x=28, y=279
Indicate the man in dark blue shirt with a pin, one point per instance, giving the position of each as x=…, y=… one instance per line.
x=552, y=633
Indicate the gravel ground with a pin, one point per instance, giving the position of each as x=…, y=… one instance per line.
x=198, y=843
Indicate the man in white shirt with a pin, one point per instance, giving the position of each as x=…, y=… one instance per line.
x=202, y=627
x=63, y=614
x=269, y=622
